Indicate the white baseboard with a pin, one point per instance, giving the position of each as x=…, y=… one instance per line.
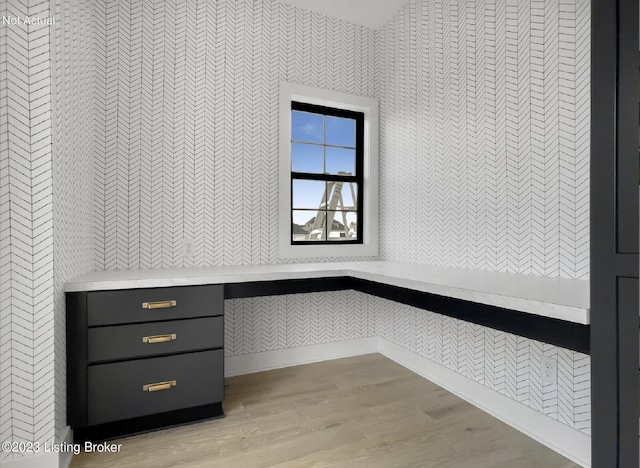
x=257, y=362
x=44, y=460
x=561, y=438
x=65, y=457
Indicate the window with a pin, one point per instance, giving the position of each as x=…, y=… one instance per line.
x=328, y=173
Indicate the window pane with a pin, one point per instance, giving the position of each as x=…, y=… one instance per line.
x=344, y=226
x=341, y=132
x=307, y=158
x=341, y=196
x=349, y=196
x=340, y=160
x=307, y=127
x=308, y=193
x=304, y=226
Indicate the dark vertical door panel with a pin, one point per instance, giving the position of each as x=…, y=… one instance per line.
x=628, y=295
x=614, y=233
x=627, y=133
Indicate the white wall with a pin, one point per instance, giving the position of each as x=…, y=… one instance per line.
x=72, y=65
x=46, y=138
x=188, y=123
x=26, y=226
x=484, y=129
x=485, y=135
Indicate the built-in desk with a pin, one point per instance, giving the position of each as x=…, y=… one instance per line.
x=553, y=310
x=106, y=359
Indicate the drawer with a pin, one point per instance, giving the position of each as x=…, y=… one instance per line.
x=116, y=390
x=154, y=338
x=146, y=305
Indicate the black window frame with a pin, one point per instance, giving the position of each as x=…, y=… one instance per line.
x=357, y=179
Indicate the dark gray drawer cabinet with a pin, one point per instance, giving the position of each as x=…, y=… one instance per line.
x=154, y=338
x=153, y=304
x=141, y=359
x=125, y=390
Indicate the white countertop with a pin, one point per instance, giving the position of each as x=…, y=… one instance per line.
x=560, y=298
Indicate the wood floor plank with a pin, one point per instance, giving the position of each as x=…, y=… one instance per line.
x=362, y=411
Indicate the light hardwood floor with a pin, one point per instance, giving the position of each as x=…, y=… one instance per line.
x=364, y=411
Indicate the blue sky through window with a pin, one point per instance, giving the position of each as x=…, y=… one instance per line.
x=307, y=127
x=340, y=131
x=340, y=160
x=308, y=193
x=310, y=128
x=307, y=158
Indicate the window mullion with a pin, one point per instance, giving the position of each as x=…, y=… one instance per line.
x=325, y=177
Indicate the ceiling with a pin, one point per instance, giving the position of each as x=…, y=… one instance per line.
x=370, y=13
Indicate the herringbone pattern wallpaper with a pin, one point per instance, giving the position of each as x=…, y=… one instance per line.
x=503, y=362
x=73, y=153
x=26, y=226
x=187, y=123
x=46, y=173
x=485, y=135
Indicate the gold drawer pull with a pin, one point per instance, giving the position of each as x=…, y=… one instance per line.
x=158, y=304
x=158, y=338
x=155, y=387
